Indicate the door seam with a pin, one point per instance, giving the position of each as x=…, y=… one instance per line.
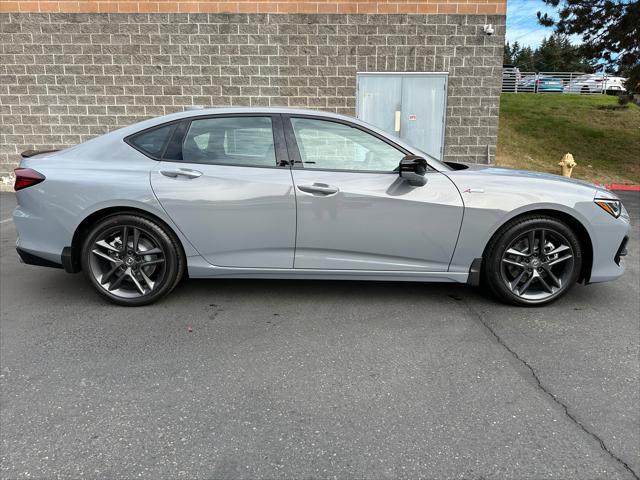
x=295, y=197
x=283, y=125
x=173, y=224
x=464, y=211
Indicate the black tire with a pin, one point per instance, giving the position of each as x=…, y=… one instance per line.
x=508, y=266
x=150, y=276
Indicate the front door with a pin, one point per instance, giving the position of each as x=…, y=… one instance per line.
x=354, y=211
x=408, y=105
x=228, y=188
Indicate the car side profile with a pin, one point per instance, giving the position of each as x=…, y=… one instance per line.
x=283, y=193
x=597, y=83
x=538, y=84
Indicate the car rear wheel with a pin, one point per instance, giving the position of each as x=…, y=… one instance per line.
x=131, y=260
x=532, y=260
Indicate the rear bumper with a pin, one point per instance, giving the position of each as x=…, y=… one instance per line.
x=38, y=232
x=66, y=262
x=32, y=259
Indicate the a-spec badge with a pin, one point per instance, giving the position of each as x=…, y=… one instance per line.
x=474, y=190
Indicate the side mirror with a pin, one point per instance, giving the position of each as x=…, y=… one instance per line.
x=412, y=169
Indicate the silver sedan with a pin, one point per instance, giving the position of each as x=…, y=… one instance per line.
x=282, y=193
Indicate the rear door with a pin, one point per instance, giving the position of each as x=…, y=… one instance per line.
x=354, y=211
x=226, y=183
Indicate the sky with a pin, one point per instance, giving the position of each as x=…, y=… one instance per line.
x=522, y=23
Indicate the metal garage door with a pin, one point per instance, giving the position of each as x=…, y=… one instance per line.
x=411, y=106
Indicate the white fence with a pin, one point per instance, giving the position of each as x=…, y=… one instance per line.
x=513, y=80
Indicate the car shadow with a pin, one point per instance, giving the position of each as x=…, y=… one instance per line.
x=327, y=290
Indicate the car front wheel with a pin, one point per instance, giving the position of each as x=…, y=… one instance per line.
x=131, y=260
x=532, y=261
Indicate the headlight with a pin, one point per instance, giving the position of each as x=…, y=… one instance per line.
x=612, y=207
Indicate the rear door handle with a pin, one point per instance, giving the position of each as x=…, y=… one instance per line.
x=319, y=189
x=181, y=172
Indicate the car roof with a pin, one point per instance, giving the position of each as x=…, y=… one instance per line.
x=202, y=111
x=192, y=112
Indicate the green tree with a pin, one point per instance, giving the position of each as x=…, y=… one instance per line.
x=507, y=59
x=547, y=55
x=610, y=31
x=572, y=58
x=557, y=54
x=525, y=59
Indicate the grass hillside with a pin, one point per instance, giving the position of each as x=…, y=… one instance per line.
x=604, y=138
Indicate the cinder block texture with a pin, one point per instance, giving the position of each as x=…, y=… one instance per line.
x=65, y=78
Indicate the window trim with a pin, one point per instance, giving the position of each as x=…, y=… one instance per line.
x=294, y=151
x=177, y=137
x=282, y=160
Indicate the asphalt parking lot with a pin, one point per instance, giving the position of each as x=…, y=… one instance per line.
x=282, y=379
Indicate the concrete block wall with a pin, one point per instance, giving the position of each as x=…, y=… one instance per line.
x=66, y=77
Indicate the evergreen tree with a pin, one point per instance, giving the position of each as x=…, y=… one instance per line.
x=526, y=59
x=610, y=31
x=555, y=54
x=507, y=59
x=515, y=52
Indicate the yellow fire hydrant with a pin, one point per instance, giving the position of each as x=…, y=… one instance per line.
x=567, y=163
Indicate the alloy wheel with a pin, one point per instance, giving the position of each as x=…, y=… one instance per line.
x=127, y=261
x=538, y=264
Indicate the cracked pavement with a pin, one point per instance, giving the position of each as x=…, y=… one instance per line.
x=316, y=379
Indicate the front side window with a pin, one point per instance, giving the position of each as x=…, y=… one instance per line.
x=335, y=146
x=246, y=141
x=152, y=142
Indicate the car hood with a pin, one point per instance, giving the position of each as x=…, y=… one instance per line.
x=519, y=174
x=517, y=181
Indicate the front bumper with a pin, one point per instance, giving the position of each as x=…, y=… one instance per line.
x=622, y=251
x=609, y=239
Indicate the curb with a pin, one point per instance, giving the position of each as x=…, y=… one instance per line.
x=622, y=188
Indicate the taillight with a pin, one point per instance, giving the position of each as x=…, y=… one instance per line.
x=26, y=177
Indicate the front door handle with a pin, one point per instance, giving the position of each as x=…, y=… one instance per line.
x=319, y=189
x=181, y=172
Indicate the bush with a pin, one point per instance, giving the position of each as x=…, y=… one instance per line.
x=624, y=99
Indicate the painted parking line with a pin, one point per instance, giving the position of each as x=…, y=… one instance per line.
x=5, y=220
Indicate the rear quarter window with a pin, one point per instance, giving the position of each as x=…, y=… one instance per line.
x=152, y=142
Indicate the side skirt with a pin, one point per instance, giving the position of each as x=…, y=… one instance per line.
x=198, y=268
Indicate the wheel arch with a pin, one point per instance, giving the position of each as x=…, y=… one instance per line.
x=73, y=264
x=574, y=223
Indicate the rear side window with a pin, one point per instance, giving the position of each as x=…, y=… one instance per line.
x=152, y=142
x=245, y=141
